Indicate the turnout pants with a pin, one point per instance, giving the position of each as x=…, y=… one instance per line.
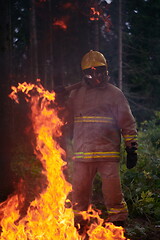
x=83, y=175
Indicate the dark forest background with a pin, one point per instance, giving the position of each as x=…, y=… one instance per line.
x=46, y=39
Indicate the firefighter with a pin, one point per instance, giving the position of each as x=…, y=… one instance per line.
x=101, y=116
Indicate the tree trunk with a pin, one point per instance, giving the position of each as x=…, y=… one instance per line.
x=5, y=106
x=120, y=45
x=51, y=80
x=96, y=35
x=34, y=43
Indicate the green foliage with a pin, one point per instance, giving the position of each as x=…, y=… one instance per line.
x=142, y=183
x=24, y=163
x=28, y=176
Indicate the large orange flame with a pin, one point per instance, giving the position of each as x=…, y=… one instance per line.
x=47, y=217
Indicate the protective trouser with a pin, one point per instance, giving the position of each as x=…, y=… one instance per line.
x=83, y=175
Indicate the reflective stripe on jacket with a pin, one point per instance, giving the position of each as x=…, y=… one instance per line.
x=100, y=116
x=96, y=154
x=93, y=119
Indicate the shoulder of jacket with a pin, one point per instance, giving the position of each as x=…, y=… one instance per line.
x=75, y=91
x=113, y=87
x=116, y=94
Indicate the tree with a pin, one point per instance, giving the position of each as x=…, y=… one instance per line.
x=5, y=107
x=141, y=55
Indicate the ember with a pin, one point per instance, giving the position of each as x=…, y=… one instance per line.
x=47, y=217
x=94, y=14
x=60, y=23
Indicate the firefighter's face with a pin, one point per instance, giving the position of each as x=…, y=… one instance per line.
x=95, y=76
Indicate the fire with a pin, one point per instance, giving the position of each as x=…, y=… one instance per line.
x=60, y=23
x=47, y=217
x=94, y=14
x=97, y=14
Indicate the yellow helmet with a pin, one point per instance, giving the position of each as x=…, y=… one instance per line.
x=93, y=59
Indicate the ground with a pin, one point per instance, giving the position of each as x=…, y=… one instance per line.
x=136, y=227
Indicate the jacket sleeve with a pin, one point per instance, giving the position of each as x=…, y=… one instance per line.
x=125, y=120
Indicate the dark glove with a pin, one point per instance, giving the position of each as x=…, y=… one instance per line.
x=131, y=156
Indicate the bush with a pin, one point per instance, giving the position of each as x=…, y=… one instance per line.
x=141, y=185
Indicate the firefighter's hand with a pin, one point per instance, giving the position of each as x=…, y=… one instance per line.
x=131, y=157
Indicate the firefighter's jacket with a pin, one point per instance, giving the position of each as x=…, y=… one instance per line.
x=101, y=116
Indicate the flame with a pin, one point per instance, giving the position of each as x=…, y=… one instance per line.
x=47, y=217
x=94, y=14
x=60, y=23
